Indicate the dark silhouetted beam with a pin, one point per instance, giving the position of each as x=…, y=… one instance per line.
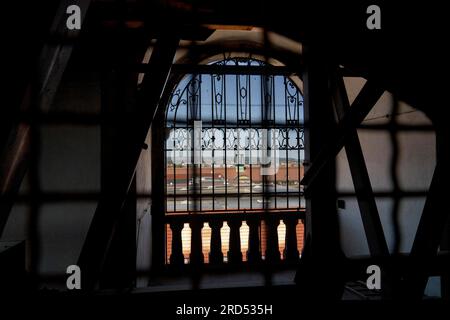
x=322, y=241
x=435, y=215
x=52, y=62
x=130, y=139
x=361, y=180
x=362, y=105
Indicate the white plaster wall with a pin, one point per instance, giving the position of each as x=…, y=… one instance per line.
x=415, y=169
x=416, y=164
x=69, y=162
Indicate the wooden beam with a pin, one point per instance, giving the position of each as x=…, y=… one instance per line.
x=131, y=135
x=50, y=68
x=442, y=152
x=158, y=169
x=427, y=237
x=55, y=56
x=433, y=221
x=361, y=180
x=362, y=105
x=322, y=244
x=445, y=278
x=119, y=271
x=228, y=27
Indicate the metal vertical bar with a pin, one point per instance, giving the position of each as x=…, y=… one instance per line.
x=299, y=167
x=167, y=149
x=238, y=104
x=200, y=195
x=250, y=126
x=299, y=146
x=265, y=117
x=225, y=138
x=174, y=174
x=287, y=140
x=191, y=152
x=263, y=127
x=212, y=149
x=273, y=148
x=175, y=135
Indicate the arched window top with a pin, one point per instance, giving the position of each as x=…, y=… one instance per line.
x=247, y=152
x=245, y=99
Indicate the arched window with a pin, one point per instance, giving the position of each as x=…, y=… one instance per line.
x=234, y=144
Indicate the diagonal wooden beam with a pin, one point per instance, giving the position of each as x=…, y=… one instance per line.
x=131, y=134
x=430, y=230
x=435, y=216
x=361, y=180
x=359, y=109
x=52, y=62
x=54, y=57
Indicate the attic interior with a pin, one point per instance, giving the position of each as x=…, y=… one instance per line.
x=185, y=146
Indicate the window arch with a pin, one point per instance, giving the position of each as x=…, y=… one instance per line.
x=233, y=154
x=234, y=142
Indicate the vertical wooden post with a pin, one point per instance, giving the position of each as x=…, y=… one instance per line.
x=272, y=250
x=196, y=256
x=435, y=215
x=234, y=253
x=322, y=245
x=215, y=254
x=131, y=134
x=176, y=258
x=291, y=253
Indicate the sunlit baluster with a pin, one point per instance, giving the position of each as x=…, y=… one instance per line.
x=216, y=255
x=234, y=253
x=290, y=252
x=176, y=258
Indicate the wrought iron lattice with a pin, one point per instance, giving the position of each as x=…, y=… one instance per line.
x=244, y=127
